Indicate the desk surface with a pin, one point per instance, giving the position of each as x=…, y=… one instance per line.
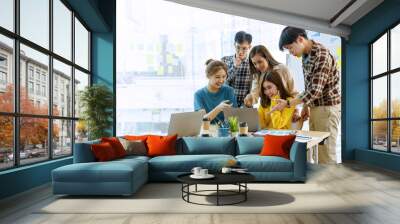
x=317, y=136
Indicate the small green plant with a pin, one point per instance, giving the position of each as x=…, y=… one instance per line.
x=96, y=102
x=233, y=124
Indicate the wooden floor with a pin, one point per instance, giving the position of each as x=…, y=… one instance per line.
x=377, y=188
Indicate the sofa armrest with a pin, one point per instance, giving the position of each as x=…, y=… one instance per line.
x=83, y=152
x=298, y=155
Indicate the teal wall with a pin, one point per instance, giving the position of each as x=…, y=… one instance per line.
x=356, y=132
x=99, y=16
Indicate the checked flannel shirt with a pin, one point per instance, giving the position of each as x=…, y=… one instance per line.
x=321, y=78
x=239, y=78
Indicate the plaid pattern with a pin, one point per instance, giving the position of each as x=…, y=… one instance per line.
x=321, y=78
x=238, y=78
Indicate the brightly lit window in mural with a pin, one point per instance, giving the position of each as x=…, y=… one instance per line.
x=160, y=59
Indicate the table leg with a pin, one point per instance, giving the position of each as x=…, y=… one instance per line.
x=316, y=154
x=217, y=194
x=195, y=189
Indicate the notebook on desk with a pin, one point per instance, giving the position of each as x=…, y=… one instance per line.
x=186, y=123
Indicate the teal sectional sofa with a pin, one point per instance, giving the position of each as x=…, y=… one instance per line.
x=125, y=176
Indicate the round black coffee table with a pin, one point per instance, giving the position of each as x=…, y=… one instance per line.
x=238, y=179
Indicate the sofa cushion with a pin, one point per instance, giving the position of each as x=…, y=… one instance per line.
x=249, y=145
x=257, y=163
x=161, y=145
x=112, y=171
x=207, y=145
x=275, y=145
x=103, y=152
x=185, y=163
x=134, y=147
x=116, y=145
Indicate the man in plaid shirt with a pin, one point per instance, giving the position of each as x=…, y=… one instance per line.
x=321, y=97
x=239, y=77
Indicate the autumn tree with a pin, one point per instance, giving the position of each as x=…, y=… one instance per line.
x=33, y=130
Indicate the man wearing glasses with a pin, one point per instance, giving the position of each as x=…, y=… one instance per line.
x=239, y=77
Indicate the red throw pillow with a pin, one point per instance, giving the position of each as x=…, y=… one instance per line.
x=276, y=145
x=161, y=145
x=116, y=145
x=103, y=152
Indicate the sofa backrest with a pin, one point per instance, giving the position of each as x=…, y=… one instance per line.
x=249, y=145
x=83, y=152
x=206, y=145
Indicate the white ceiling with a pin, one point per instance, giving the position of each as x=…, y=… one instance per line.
x=316, y=15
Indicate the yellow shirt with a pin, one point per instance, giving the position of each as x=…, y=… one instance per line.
x=277, y=119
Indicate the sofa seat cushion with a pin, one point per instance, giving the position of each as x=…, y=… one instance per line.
x=185, y=163
x=112, y=171
x=257, y=163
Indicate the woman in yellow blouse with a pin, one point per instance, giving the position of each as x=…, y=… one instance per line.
x=272, y=88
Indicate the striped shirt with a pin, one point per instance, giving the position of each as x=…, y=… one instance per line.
x=239, y=78
x=321, y=78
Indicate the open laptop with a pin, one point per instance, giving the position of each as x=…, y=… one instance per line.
x=249, y=115
x=186, y=123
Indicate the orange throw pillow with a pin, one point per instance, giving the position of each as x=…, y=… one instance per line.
x=116, y=145
x=103, y=152
x=276, y=145
x=136, y=137
x=161, y=145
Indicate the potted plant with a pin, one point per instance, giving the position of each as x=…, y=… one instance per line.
x=96, y=102
x=233, y=125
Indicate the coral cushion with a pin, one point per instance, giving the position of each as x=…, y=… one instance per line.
x=136, y=137
x=161, y=145
x=103, y=152
x=116, y=145
x=276, y=145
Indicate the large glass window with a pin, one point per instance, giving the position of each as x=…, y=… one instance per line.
x=6, y=75
x=62, y=91
x=81, y=45
x=385, y=97
x=43, y=112
x=7, y=14
x=35, y=21
x=62, y=29
x=81, y=81
x=6, y=142
x=39, y=61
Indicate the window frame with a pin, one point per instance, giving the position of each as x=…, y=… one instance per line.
x=388, y=74
x=16, y=114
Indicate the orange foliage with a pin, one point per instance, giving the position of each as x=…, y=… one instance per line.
x=33, y=130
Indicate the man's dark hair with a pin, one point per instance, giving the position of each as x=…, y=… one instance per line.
x=289, y=35
x=242, y=36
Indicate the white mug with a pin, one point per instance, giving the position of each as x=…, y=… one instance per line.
x=226, y=170
x=196, y=171
x=203, y=172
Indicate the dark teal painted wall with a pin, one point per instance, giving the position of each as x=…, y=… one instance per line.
x=356, y=85
x=24, y=178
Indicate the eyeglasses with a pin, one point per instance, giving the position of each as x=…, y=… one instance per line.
x=244, y=49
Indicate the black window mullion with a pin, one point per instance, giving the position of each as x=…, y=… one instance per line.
x=16, y=84
x=50, y=87
x=389, y=101
x=73, y=82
